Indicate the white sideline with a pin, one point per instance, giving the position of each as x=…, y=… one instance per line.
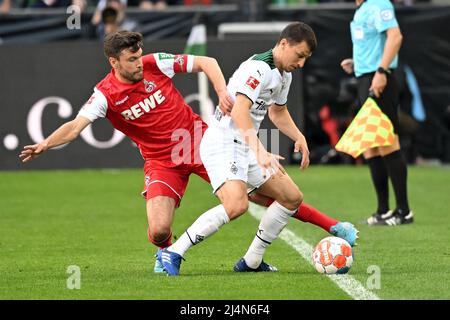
x=347, y=283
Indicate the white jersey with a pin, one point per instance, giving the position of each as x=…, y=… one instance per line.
x=224, y=154
x=259, y=80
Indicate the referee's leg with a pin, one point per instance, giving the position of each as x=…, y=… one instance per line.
x=394, y=163
x=378, y=170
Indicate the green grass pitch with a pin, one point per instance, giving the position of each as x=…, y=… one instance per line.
x=95, y=219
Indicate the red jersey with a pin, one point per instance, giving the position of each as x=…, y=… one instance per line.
x=150, y=111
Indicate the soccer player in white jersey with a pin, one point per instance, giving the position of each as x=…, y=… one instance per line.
x=236, y=159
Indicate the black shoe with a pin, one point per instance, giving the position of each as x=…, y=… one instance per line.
x=376, y=218
x=398, y=218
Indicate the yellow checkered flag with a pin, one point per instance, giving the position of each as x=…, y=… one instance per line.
x=370, y=128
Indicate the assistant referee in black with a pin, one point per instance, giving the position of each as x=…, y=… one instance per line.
x=377, y=39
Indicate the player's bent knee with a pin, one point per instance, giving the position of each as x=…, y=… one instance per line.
x=292, y=200
x=237, y=209
x=159, y=235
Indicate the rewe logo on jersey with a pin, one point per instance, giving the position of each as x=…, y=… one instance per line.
x=144, y=106
x=252, y=83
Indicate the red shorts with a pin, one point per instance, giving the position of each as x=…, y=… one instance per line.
x=170, y=181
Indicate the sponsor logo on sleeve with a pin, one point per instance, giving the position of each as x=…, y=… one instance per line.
x=165, y=56
x=387, y=15
x=252, y=82
x=180, y=60
x=179, y=63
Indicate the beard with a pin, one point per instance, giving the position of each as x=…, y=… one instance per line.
x=134, y=77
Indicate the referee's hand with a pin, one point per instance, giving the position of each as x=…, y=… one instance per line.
x=347, y=65
x=379, y=82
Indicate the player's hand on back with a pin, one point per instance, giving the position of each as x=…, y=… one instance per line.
x=32, y=151
x=225, y=102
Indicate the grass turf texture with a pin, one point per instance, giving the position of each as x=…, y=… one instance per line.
x=96, y=220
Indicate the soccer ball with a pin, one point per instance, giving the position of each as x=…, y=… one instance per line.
x=332, y=255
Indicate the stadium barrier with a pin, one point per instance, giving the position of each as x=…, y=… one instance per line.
x=44, y=86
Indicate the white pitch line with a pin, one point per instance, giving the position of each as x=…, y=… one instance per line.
x=346, y=282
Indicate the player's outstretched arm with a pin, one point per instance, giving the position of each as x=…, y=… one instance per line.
x=64, y=134
x=212, y=70
x=282, y=119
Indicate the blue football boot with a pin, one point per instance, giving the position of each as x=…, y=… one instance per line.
x=346, y=231
x=171, y=261
x=158, y=268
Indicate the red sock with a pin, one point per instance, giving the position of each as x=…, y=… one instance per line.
x=162, y=244
x=307, y=213
x=269, y=202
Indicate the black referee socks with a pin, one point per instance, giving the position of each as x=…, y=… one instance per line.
x=379, y=175
x=397, y=171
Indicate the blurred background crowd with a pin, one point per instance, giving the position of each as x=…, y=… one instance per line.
x=327, y=96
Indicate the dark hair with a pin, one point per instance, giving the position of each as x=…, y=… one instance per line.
x=115, y=42
x=298, y=32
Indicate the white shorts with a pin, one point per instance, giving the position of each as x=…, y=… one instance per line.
x=226, y=157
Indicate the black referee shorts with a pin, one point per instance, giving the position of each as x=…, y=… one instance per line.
x=388, y=100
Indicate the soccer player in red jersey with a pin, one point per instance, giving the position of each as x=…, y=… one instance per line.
x=139, y=98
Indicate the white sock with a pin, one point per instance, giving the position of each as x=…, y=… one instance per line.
x=272, y=223
x=205, y=225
